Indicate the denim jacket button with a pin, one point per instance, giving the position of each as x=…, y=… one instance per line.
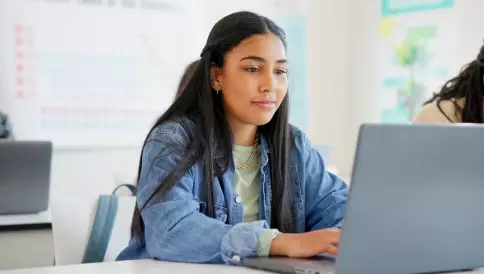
x=236, y=259
x=238, y=199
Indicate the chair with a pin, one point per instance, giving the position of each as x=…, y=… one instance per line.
x=81, y=231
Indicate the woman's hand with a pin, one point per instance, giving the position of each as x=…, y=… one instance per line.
x=307, y=244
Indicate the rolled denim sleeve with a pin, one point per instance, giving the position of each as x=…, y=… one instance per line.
x=326, y=194
x=175, y=229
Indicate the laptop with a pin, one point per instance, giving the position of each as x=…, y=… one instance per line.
x=416, y=204
x=24, y=176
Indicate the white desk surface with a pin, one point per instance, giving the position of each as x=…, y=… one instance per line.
x=25, y=219
x=136, y=267
x=147, y=267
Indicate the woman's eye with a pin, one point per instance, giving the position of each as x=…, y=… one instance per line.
x=252, y=69
x=281, y=71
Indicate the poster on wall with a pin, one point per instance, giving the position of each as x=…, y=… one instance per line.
x=86, y=74
x=416, y=39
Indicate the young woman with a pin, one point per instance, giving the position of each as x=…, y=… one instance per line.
x=222, y=174
x=460, y=100
x=186, y=75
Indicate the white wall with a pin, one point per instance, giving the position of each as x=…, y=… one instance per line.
x=329, y=68
x=91, y=172
x=363, y=79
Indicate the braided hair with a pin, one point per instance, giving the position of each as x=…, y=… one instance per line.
x=468, y=85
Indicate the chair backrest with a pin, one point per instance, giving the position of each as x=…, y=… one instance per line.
x=121, y=232
x=72, y=224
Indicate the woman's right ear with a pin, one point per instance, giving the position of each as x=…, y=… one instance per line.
x=216, y=77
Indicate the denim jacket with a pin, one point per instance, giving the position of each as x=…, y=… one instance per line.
x=177, y=228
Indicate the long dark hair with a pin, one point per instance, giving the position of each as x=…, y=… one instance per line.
x=186, y=75
x=468, y=85
x=213, y=136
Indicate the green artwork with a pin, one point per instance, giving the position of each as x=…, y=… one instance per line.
x=413, y=65
x=392, y=7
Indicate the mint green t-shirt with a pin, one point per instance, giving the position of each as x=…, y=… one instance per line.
x=247, y=184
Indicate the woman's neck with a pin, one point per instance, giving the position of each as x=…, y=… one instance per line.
x=244, y=134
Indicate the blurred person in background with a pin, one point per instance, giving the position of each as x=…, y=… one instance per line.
x=5, y=127
x=185, y=77
x=460, y=100
x=222, y=174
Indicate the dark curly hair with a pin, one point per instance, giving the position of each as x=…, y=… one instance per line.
x=468, y=85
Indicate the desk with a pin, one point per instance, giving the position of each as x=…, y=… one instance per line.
x=25, y=220
x=147, y=267
x=136, y=267
x=26, y=240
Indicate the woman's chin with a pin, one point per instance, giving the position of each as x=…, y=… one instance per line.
x=262, y=119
